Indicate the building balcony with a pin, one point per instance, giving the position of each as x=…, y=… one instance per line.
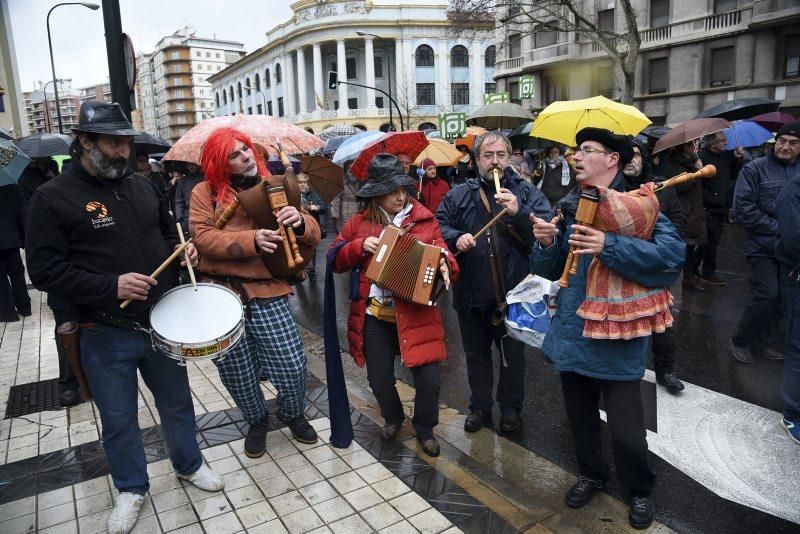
x=177, y=83
x=172, y=97
x=772, y=12
x=701, y=28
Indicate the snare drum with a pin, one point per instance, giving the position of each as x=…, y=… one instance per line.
x=197, y=325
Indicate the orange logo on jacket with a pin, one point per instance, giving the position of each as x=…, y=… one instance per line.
x=99, y=213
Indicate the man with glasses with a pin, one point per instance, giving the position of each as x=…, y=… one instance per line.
x=591, y=367
x=716, y=190
x=490, y=266
x=755, y=206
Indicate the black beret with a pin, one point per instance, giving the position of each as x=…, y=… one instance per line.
x=621, y=144
x=790, y=128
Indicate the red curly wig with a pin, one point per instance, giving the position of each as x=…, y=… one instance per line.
x=214, y=159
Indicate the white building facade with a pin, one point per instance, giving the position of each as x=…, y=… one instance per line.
x=407, y=50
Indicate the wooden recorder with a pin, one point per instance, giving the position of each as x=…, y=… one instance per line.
x=407, y=267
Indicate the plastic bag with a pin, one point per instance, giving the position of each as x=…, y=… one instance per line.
x=531, y=306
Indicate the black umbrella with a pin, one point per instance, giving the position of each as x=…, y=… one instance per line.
x=150, y=144
x=741, y=108
x=42, y=145
x=334, y=143
x=655, y=132
x=524, y=130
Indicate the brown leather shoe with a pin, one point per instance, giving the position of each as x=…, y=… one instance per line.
x=692, y=283
x=430, y=446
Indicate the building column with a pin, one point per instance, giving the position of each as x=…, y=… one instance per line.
x=442, y=75
x=370, y=71
x=409, y=73
x=273, y=88
x=288, y=86
x=341, y=67
x=319, y=91
x=302, y=96
x=400, y=89
x=476, y=69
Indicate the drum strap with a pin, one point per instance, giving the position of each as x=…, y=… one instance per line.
x=102, y=316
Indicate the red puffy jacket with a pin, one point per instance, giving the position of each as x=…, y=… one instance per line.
x=419, y=327
x=433, y=191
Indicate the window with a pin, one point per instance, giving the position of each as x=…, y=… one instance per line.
x=280, y=104
x=490, y=87
x=239, y=90
x=208, y=54
x=459, y=94
x=659, y=13
x=721, y=66
x=216, y=99
x=459, y=57
x=514, y=45
x=179, y=93
x=513, y=92
x=181, y=119
x=267, y=80
x=176, y=55
x=724, y=6
x=278, y=75
x=792, y=53
x=426, y=94
x=378, y=66
x=259, y=109
x=604, y=81
x=490, y=57
x=351, y=68
x=379, y=102
x=250, y=110
x=605, y=20
x=219, y=68
x=231, y=93
x=269, y=108
x=657, y=76
x=424, y=56
x=352, y=103
x=198, y=53
x=179, y=106
x=543, y=37
x=217, y=54
x=335, y=104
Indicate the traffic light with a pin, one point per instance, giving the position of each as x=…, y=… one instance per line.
x=333, y=79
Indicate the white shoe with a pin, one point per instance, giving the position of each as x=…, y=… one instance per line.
x=125, y=513
x=205, y=479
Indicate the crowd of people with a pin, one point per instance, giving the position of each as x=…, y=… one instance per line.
x=92, y=235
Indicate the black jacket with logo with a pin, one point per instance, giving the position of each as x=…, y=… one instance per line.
x=84, y=232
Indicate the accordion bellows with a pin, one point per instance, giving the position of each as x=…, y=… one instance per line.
x=616, y=308
x=406, y=267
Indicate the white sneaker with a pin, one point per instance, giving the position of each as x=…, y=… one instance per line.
x=125, y=513
x=205, y=479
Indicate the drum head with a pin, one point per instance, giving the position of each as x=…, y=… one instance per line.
x=184, y=315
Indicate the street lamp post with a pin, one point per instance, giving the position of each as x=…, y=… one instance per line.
x=91, y=6
x=48, y=119
x=263, y=96
x=389, y=70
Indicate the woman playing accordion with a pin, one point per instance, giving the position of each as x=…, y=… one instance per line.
x=615, y=299
x=381, y=324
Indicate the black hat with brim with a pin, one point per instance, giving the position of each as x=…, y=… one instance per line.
x=621, y=144
x=105, y=118
x=384, y=175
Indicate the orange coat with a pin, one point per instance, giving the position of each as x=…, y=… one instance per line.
x=232, y=251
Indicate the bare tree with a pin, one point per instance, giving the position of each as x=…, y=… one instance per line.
x=526, y=17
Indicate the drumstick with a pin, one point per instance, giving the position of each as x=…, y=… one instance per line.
x=186, y=255
x=161, y=267
x=488, y=225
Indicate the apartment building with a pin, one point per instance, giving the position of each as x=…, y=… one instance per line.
x=40, y=107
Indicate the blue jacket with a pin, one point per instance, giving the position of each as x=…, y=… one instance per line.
x=462, y=211
x=755, y=201
x=788, y=247
x=653, y=263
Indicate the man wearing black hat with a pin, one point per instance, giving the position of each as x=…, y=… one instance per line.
x=590, y=366
x=755, y=207
x=94, y=232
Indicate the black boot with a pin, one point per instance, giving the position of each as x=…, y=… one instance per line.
x=641, y=513
x=9, y=317
x=255, y=444
x=301, y=429
x=581, y=492
x=510, y=423
x=430, y=446
x=670, y=381
x=389, y=431
x=477, y=420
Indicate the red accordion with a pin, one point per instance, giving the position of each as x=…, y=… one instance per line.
x=407, y=267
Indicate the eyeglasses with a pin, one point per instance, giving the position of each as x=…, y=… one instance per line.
x=588, y=151
x=489, y=156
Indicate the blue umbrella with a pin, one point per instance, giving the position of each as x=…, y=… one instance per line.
x=12, y=162
x=354, y=145
x=746, y=134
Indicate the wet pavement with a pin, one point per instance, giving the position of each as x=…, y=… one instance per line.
x=723, y=461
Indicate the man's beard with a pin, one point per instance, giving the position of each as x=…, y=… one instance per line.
x=489, y=175
x=105, y=167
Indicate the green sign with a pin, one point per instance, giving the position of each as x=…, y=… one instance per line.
x=527, y=86
x=496, y=98
x=453, y=125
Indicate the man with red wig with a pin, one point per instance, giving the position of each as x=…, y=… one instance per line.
x=232, y=256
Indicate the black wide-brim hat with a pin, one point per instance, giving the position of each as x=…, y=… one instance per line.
x=104, y=118
x=384, y=175
x=621, y=144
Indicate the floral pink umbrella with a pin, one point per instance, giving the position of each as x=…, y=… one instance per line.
x=264, y=130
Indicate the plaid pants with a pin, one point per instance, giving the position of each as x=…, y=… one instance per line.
x=270, y=347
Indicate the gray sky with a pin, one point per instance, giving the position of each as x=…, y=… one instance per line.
x=79, y=38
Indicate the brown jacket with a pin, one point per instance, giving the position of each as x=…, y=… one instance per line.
x=232, y=250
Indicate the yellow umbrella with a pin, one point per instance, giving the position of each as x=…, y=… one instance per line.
x=441, y=152
x=560, y=121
